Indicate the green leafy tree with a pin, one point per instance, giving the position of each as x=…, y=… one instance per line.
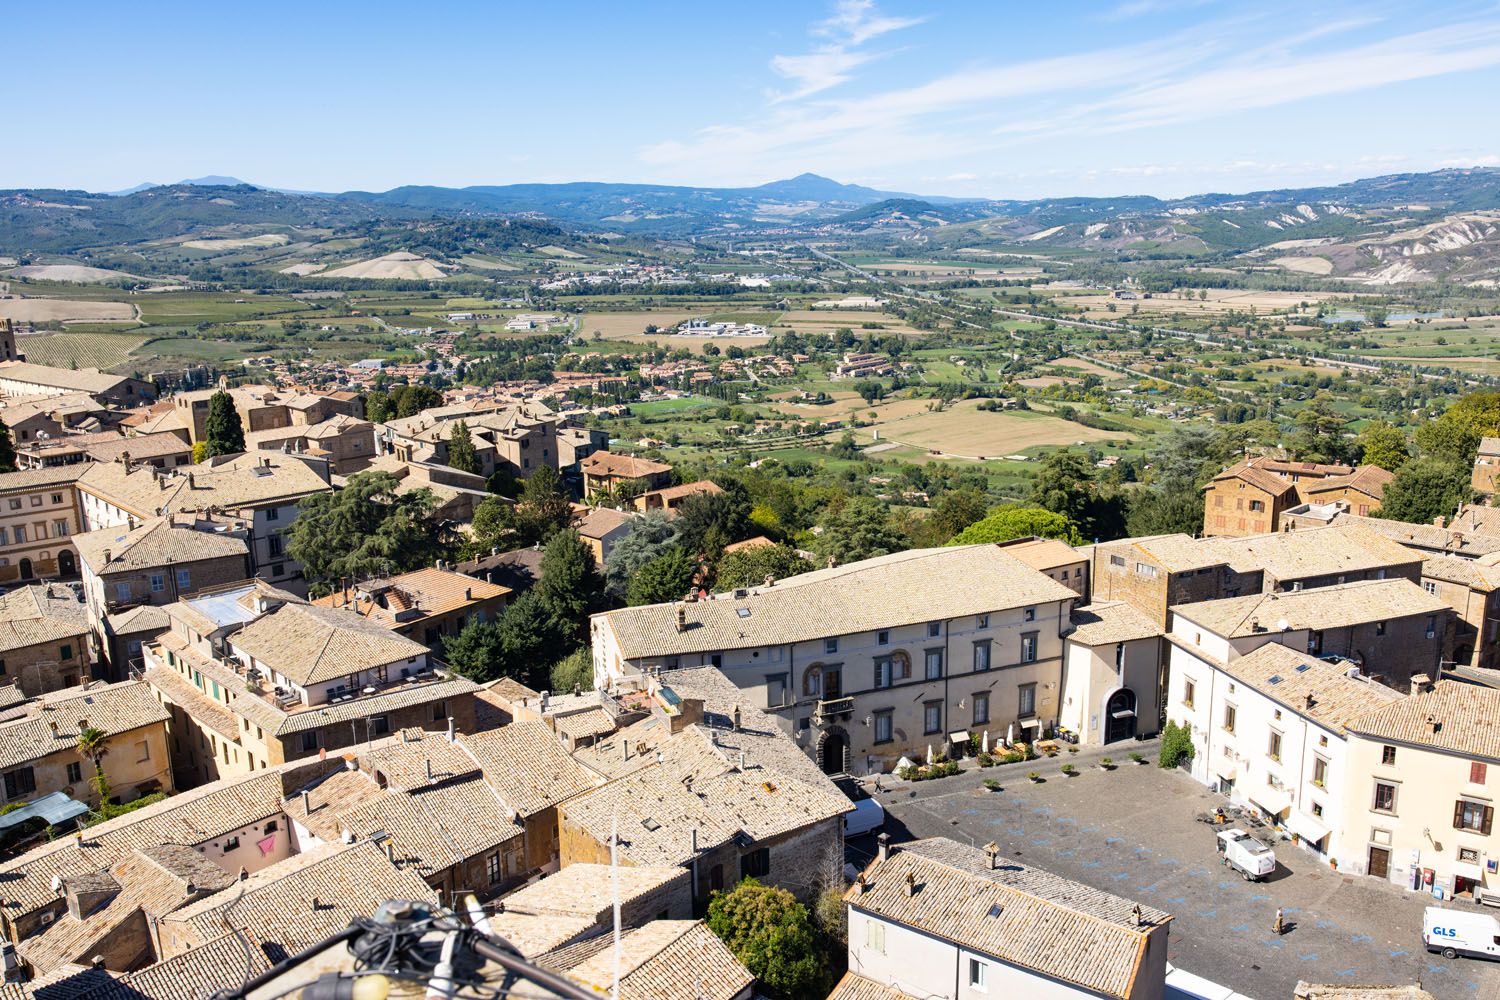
x=651, y=534
x=224, y=432
x=859, y=528
x=1319, y=435
x=529, y=638
x=493, y=526
x=1010, y=521
x=706, y=522
x=461, y=454
x=7, y=450
x=750, y=567
x=93, y=746
x=366, y=529
x=574, y=672
x=1163, y=510
x=1176, y=745
x=954, y=511
x=1457, y=433
x=413, y=399
x=773, y=936
x=1426, y=488
x=543, y=508
x=571, y=588
x=476, y=652
x=200, y=452
x=665, y=578
x=1384, y=445
x=1065, y=485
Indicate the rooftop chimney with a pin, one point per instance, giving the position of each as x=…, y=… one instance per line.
x=450, y=729
x=681, y=619
x=882, y=846
x=1420, y=683
x=736, y=718
x=626, y=744
x=315, y=904
x=911, y=883
x=306, y=803
x=107, y=554
x=1439, y=522
x=992, y=851
x=428, y=762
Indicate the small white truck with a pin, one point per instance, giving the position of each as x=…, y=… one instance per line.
x=1246, y=855
x=1460, y=932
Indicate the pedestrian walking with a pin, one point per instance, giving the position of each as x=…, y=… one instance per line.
x=1279, y=916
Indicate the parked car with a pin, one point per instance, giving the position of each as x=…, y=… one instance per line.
x=1460, y=932
x=1246, y=855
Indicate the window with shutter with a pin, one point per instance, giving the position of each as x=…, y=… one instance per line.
x=1477, y=773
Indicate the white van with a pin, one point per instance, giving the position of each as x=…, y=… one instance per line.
x=1246, y=855
x=866, y=816
x=1460, y=932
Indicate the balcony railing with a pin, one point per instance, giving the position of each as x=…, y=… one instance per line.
x=833, y=710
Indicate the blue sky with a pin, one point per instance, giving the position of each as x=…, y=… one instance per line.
x=994, y=98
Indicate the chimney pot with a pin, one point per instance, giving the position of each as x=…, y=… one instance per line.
x=882, y=846
x=450, y=729
x=306, y=803
x=911, y=883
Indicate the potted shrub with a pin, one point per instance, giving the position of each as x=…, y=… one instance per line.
x=1034, y=777
x=992, y=784
x=1138, y=758
x=985, y=760
x=1069, y=770
x=1072, y=749
x=1106, y=763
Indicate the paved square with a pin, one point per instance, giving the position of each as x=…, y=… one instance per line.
x=1133, y=831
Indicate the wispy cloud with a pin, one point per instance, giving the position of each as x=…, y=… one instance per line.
x=852, y=24
x=1143, y=8
x=1203, y=72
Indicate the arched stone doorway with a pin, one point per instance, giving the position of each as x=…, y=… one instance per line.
x=833, y=750
x=66, y=564
x=1119, y=716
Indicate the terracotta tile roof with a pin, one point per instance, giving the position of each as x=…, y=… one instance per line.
x=1454, y=717
x=668, y=960
x=90, y=380
x=1489, y=446
x=1462, y=539
x=1108, y=622
x=598, y=522
x=671, y=493
x=188, y=818
x=223, y=962
x=38, y=613
x=311, y=644
x=203, y=710
x=378, y=704
x=110, y=448
x=1308, y=686
x=437, y=828
x=276, y=905
x=1339, y=606
x=900, y=589
x=424, y=593
x=527, y=766
x=585, y=890
x=113, y=708
x=1371, y=480
x=605, y=463
x=1467, y=572
x=1044, y=553
x=31, y=479
x=1248, y=471
x=256, y=479
x=157, y=542
x=1034, y=920
x=857, y=987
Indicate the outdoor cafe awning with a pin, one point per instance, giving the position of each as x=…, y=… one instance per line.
x=1306, y=827
x=1271, y=800
x=962, y=736
x=54, y=807
x=1472, y=872
x=1123, y=713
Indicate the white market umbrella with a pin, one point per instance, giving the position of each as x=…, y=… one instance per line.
x=929, y=753
x=1010, y=735
x=984, y=744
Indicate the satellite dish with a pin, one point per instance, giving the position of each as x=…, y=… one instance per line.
x=1283, y=625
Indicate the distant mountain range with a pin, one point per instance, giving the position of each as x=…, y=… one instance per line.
x=56, y=221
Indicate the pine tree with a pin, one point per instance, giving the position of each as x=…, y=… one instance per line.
x=225, y=433
x=461, y=454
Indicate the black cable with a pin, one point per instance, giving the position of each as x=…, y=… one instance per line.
x=290, y=962
x=485, y=948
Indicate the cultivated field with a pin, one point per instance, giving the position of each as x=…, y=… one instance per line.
x=964, y=431
x=632, y=325
x=238, y=243
x=392, y=265
x=67, y=311
x=69, y=272
x=302, y=270
x=1219, y=301
x=1306, y=265
x=1086, y=366
x=86, y=350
